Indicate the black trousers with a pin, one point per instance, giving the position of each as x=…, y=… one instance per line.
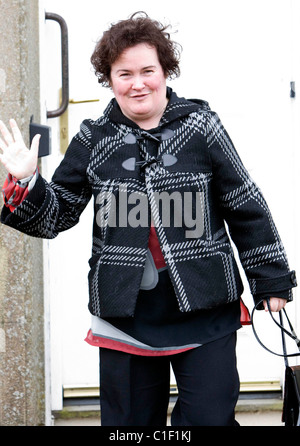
x=134, y=390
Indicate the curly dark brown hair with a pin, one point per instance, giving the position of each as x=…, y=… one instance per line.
x=139, y=28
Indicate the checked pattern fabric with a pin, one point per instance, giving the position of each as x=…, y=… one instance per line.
x=128, y=172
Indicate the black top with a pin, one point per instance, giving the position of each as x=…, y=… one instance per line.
x=159, y=323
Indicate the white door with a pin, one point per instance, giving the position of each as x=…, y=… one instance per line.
x=237, y=55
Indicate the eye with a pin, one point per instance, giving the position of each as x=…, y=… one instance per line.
x=124, y=75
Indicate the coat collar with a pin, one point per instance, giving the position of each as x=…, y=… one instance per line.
x=176, y=108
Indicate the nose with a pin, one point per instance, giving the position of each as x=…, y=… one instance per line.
x=138, y=83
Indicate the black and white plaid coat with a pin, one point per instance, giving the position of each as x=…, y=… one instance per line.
x=111, y=157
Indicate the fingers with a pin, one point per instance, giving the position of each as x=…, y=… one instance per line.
x=35, y=145
x=14, y=154
x=9, y=138
x=6, y=135
x=276, y=304
x=2, y=145
x=16, y=132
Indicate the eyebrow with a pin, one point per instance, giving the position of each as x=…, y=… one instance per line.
x=144, y=68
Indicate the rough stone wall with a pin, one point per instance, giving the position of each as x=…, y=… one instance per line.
x=22, y=382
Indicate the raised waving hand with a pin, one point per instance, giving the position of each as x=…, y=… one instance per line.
x=18, y=160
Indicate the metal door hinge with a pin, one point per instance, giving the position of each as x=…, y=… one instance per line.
x=64, y=123
x=292, y=89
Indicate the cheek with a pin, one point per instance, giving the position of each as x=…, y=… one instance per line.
x=118, y=88
x=119, y=91
x=158, y=84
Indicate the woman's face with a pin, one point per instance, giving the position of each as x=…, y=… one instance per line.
x=139, y=85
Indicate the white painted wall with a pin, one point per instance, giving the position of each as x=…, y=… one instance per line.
x=238, y=55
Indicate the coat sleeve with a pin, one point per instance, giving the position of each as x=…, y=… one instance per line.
x=248, y=217
x=53, y=207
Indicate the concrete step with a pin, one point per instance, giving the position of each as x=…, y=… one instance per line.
x=251, y=410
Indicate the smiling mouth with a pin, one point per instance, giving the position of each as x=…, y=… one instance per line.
x=140, y=96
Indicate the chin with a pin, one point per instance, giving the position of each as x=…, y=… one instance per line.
x=140, y=113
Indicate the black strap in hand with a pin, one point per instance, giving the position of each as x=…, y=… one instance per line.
x=284, y=331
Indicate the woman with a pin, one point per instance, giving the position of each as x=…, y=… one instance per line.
x=164, y=286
